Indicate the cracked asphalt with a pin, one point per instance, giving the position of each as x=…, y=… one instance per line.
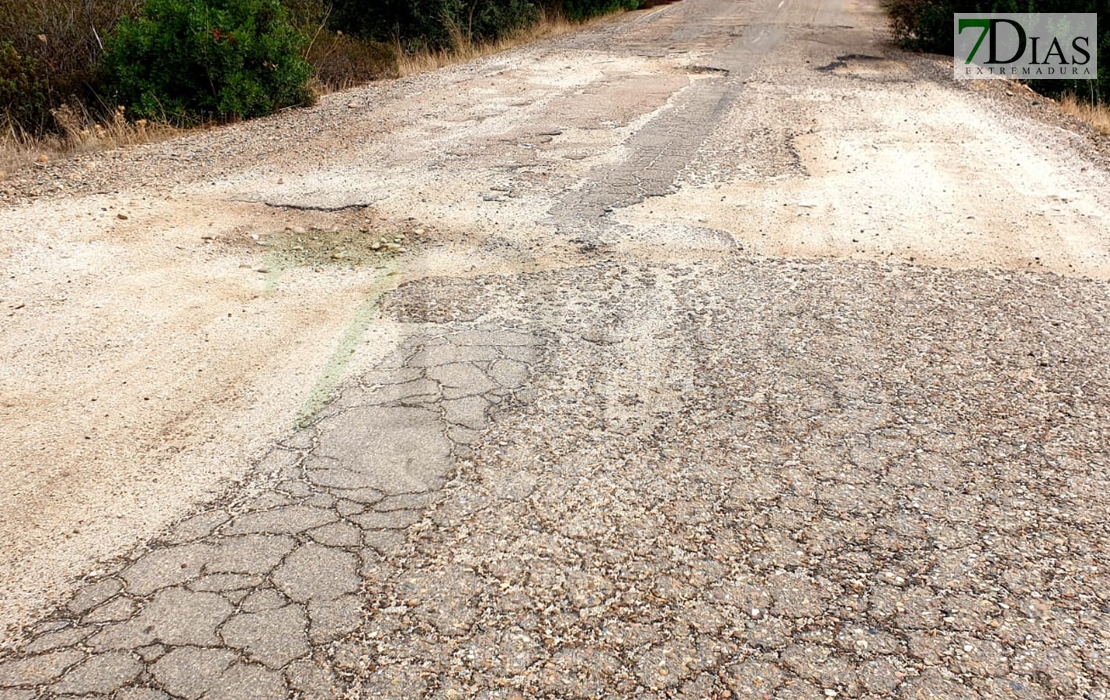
x=232, y=601
x=700, y=371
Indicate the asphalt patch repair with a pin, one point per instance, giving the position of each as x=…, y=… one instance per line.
x=839, y=430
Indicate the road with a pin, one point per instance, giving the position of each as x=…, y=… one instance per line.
x=717, y=350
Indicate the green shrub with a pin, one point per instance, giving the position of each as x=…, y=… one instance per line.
x=433, y=24
x=22, y=97
x=926, y=25
x=578, y=10
x=193, y=60
x=443, y=24
x=922, y=25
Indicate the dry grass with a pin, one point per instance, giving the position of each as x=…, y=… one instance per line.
x=464, y=49
x=1097, y=116
x=342, y=62
x=81, y=133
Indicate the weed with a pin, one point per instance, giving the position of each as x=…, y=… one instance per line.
x=464, y=48
x=1098, y=116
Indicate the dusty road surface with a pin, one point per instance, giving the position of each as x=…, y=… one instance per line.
x=719, y=350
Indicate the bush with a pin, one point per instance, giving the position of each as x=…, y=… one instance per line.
x=434, y=24
x=926, y=25
x=22, y=97
x=445, y=24
x=194, y=60
x=578, y=10
x=922, y=25
x=63, y=39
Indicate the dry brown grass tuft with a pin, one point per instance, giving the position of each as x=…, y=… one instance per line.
x=80, y=133
x=65, y=38
x=343, y=62
x=464, y=49
x=1097, y=116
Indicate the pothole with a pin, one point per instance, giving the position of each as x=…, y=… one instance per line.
x=300, y=247
x=319, y=238
x=866, y=67
x=706, y=70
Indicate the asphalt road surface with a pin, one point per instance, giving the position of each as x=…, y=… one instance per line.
x=719, y=350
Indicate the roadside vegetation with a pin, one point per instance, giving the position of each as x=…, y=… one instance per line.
x=78, y=74
x=1097, y=115
x=926, y=25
